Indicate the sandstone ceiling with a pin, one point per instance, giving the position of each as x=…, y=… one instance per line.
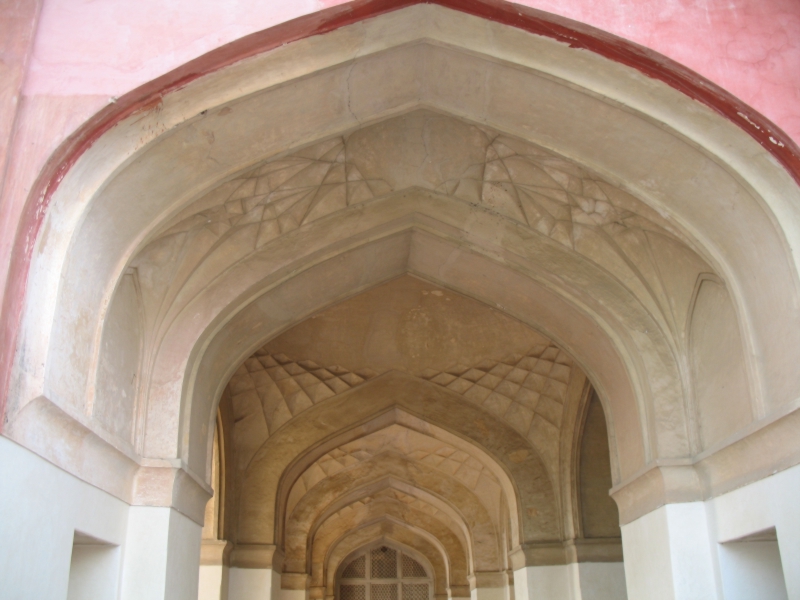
x=446, y=428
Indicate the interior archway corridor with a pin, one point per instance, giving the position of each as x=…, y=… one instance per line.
x=492, y=303
x=450, y=428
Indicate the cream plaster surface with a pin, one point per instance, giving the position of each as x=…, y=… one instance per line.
x=93, y=572
x=213, y=582
x=253, y=584
x=42, y=508
x=162, y=555
x=752, y=569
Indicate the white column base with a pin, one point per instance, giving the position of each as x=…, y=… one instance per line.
x=253, y=584
x=545, y=583
x=576, y=581
x=162, y=555
x=213, y=582
x=668, y=554
x=601, y=580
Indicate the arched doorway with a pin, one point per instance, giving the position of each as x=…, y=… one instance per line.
x=384, y=571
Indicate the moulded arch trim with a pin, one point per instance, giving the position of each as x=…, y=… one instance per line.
x=426, y=401
x=399, y=416
x=457, y=556
x=394, y=483
x=395, y=252
x=484, y=530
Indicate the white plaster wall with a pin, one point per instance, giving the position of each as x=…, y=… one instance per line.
x=752, y=570
x=253, y=584
x=555, y=582
x=486, y=593
x=601, y=581
x=690, y=550
x=162, y=555
x=93, y=572
x=668, y=554
x=576, y=581
x=210, y=583
x=769, y=503
x=41, y=507
x=291, y=595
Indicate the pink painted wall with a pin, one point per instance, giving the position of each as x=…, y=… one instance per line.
x=749, y=47
x=88, y=51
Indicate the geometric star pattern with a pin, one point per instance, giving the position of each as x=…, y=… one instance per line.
x=284, y=193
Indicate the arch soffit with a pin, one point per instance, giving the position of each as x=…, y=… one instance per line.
x=458, y=558
x=397, y=418
x=422, y=497
x=483, y=528
x=636, y=310
x=426, y=401
x=443, y=263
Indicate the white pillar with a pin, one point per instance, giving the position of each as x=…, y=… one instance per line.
x=668, y=554
x=785, y=498
x=545, y=582
x=601, y=580
x=213, y=577
x=488, y=586
x=161, y=557
x=253, y=584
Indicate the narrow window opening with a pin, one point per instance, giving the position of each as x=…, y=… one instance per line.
x=93, y=569
x=751, y=568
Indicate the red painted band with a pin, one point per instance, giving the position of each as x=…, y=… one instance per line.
x=149, y=95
